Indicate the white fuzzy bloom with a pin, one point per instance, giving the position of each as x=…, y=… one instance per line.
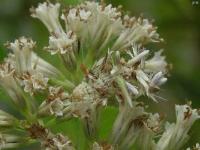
x=72, y=14
x=52, y=108
x=158, y=79
x=151, y=86
x=56, y=101
x=149, y=31
x=84, y=15
x=176, y=135
x=92, y=21
x=138, y=57
x=22, y=49
x=110, y=11
x=153, y=122
x=83, y=109
x=140, y=30
x=9, y=83
x=57, y=93
x=50, y=141
x=64, y=43
x=48, y=13
x=122, y=73
x=22, y=44
x=6, y=69
x=34, y=82
x=156, y=64
x=132, y=88
x=84, y=92
x=78, y=14
x=128, y=125
x=23, y=59
x=61, y=143
x=143, y=79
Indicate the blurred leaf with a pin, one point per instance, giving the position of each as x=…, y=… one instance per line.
x=74, y=130
x=3, y=54
x=107, y=118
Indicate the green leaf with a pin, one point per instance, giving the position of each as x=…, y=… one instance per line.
x=74, y=130
x=107, y=118
x=3, y=54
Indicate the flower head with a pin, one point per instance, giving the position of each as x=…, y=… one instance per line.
x=48, y=13
x=176, y=134
x=103, y=63
x=33, y=82
x=65, y=43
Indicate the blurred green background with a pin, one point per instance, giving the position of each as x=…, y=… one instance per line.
x=178, y=22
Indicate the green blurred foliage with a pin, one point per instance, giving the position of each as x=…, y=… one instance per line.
x=178, y=23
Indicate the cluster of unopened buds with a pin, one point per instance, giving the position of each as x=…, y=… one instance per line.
x=103, y=64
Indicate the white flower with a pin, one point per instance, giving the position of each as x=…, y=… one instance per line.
x=79, y=14
x=110, y=11
x=72, y=14
x=58, y=142
x=140, y=30
x=128, y=125
x=138, y=57
x=9, y=83
x=153, y=122
x=56, y=108
x=57, y=93
x=62, y=143
x=84, y=15
x=90, y=21
x=48, y=13
x=143, y=79
x=22, y=49
x=48, y=140
x=6, y=69
x=156, y=64
x=23, y=59
x=64, y=43
x=55, y=102
x=176, y=135
x=84, y=92
x=23, y=44
x=151, y=86
x=132, y=88
x=34, y=82
x=158, y=79
x=128, y=21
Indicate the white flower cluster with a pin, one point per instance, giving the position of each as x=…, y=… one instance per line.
x=23, y=67
x=106, y=64
x=49, y=141
x=175, y=135
x=34, y=81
